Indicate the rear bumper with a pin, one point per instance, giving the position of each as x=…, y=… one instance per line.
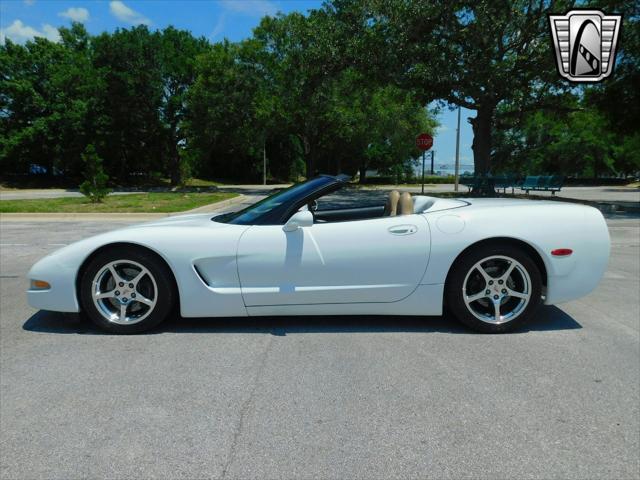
x=573, y=277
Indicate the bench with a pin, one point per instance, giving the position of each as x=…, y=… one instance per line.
x=502, y=182
x=543, y=183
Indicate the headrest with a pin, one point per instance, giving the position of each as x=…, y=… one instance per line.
x=391, y=208
x=406, y=204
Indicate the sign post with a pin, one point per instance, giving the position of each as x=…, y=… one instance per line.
x=424, y=142
x=423, y=153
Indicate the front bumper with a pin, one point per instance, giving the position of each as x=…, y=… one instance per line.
x=61, y=297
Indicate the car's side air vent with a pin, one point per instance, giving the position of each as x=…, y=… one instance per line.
x=202, y=277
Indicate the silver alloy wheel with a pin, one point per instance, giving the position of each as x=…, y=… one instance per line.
x=497, y=289
x=124, y=292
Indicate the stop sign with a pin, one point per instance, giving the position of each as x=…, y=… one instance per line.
x=424, y=141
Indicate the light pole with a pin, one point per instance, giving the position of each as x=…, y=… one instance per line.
x=264, y=163
x=457, y=166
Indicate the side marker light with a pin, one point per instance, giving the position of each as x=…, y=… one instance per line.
x=561, y=252
x=40, y=285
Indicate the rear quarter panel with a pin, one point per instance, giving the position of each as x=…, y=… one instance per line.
x=545, y=226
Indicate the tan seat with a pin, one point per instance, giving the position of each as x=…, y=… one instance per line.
x=405, y=206
x=391, y=208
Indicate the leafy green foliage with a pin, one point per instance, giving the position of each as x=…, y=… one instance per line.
x=579, y=143
x=48, y=98
x=339, y=90
x=486, y=56
x=95, y=185
x=589, y=131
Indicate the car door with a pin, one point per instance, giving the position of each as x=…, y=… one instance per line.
x=375, y=260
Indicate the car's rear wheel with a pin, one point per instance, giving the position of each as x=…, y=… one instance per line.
x=495, y=288
x=126, y=290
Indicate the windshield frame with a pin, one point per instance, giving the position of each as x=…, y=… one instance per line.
x=295, y=197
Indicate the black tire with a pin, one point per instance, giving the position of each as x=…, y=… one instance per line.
x=455, y=288
x=158, y=284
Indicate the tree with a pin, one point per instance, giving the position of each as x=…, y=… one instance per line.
x=290, y=52
x=580, y=141
x=592, y=130
x=179, y=51
x=369, y=126
x=476, y=54
x=95, y=185
x=48, y=100
x=337, y=113
x=223, y=133
x=618, y=97
x=131, y=133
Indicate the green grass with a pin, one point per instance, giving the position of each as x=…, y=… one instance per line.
x=136, y=203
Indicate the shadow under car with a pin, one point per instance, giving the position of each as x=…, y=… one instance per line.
x=548, y=318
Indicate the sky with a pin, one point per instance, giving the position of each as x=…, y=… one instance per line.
x=21, y=20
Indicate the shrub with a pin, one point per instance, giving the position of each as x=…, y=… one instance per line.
x=95, y=185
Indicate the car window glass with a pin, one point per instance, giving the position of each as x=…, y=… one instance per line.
x=249, y=215
x=351, y=198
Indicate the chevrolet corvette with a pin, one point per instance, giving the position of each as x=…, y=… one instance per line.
x=490, y=262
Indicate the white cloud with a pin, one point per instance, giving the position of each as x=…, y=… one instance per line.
x=75, y=14
x=219, y=26
x=255, y=8
x=18, y=32
x=122, y=12
x=50, y=32
x=29, y=2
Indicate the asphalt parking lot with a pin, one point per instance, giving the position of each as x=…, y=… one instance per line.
x=310, y=397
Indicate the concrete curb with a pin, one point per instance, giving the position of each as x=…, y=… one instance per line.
x=112, y=217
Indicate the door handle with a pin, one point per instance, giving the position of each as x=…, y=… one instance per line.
x=403, y=229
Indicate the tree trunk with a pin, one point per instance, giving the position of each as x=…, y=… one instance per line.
x=309, y=160
x=363, y=171
x=482, y=126
x=176, y=173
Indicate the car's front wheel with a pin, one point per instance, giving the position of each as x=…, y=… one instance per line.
x=126, y=290
x=495, y=288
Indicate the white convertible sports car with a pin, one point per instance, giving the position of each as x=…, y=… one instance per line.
x=492, y=262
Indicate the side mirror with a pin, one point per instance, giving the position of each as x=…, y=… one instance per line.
x=299, y=220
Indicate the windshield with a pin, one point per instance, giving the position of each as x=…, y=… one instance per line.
x=250, y=215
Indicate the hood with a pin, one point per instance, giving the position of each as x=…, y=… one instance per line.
x=192, y=220
x=140, y=233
